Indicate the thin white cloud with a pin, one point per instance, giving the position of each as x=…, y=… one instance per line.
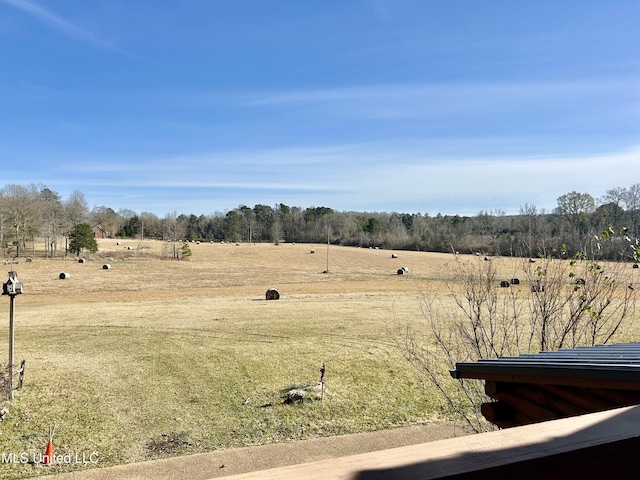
x=459, y=102
x=360, y=177
x=489, y=91
x=63, y=26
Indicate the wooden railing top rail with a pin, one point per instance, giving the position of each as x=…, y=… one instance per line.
x=598, y=444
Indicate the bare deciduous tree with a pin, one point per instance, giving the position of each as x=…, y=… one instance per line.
x=173, y=230
x=20, y=213
x=561, y=303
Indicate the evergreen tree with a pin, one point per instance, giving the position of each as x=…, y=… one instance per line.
x=81, y=237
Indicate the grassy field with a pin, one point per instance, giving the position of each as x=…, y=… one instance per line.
x=154, y=358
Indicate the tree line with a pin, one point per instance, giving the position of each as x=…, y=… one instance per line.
x=31, y=213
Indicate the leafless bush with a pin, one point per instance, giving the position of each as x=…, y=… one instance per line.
x=477, y=319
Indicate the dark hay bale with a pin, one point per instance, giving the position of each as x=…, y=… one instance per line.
x=635, y=265
x=272, y=294
x=64, y=276
x=81, y=260
x=537, y=288
x=515, y=281
x=402, y=271
x=393, y=255
x=312, y=251
x=106, y=266
x=504, y=284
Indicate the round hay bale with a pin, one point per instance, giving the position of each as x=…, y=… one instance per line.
x=81, y=260
x=106, y=266
x=504, y=284
x=403, y=270
x=64, y=276
x=515, y=281
x=29, y=260
x=312, y=251
x=272, y=294
x=635, y=265
x=393, y=255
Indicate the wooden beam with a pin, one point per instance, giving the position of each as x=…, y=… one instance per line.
x=534, y=411
x=503, y=415
x=539, y=395
x=598, y=445
x=602, y=383
x=498, y=412
x=581, y=398
x=616, y=396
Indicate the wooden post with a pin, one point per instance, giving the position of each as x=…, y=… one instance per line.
x=12, y=299
x=21, y=374
x=323, y=379
x=11, y=288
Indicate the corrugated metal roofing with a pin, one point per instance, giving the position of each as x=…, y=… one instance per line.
x=613, y=362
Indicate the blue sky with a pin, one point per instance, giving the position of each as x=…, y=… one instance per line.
x=199, y=106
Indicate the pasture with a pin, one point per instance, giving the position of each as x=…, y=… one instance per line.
x=154, y=358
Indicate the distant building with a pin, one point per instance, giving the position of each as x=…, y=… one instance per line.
x=99, y=232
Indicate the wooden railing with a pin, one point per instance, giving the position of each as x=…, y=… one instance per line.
x=599, y=445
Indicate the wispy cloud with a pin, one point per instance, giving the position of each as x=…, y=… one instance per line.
x=369, y=176
x=61, y=25
x=491, y=92
x=359, y=177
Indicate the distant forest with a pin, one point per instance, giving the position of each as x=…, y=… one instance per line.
x=35, y=213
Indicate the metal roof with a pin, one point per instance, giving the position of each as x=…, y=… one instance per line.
x=610, y=362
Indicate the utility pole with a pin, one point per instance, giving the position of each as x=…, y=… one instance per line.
x=17, y=241
x=327, y=248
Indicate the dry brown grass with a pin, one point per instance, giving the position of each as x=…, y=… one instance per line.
x=127, y=359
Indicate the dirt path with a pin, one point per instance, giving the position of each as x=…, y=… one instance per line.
x=241, y=460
